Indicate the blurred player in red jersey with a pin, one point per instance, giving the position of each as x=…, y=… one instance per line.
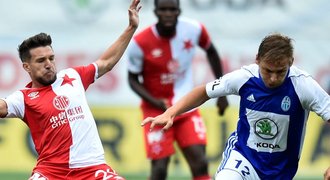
x=54, y=107
x=160, y=72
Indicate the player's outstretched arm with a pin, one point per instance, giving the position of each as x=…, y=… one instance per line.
x=113, y=54
x=3, y=109
x=193, y=99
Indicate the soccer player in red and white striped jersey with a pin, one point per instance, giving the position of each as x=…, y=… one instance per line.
x=54, y=107
x=161, y=55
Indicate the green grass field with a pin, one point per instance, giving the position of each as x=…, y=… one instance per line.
x=25, y=176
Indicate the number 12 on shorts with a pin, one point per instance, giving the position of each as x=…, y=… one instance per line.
x=244, y=170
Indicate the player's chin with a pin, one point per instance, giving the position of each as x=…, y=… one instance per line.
x=169, y=24
x=271, y=86
x=50, y=76
x=47, y=80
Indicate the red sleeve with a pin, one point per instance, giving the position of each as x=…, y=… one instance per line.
x=204, y=40
x=87, y=74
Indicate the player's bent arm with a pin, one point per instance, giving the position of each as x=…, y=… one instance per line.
x=214, y=61
x=113, y=54
x=139, y=89
x=217, y=68
x=3, y=108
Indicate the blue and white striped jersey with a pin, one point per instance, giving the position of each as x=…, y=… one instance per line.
x=271, y=125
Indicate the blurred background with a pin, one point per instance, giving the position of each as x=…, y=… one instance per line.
x=82, y=29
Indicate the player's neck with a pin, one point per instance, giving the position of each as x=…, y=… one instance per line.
x=165, y=32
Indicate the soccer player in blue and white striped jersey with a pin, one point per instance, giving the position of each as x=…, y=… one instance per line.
x=275, y=100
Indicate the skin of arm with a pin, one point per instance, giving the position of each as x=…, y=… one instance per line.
x=327, y=172
x=214, y=60
x=113, y=54
x=3, y=109
x=193, y=99
x=215, y=63
x=138, y=88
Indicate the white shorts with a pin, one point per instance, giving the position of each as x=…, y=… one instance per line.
x=234, y=166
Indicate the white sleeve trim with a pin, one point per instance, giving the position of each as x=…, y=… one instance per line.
x=229, y=84
x=134, y=57
x=96, y=71
x=312, y=96
x=15, y=104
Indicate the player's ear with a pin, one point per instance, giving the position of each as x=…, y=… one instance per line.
x=257, y=59
x=155, y=12
x=26, y=67
x=291, y=62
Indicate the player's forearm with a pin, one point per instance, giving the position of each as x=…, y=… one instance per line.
x=215, y=61
x=139, y=89
x=190, y=101
x=113, y=54
x=116, y=50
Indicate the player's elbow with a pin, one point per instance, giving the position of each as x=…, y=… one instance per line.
x=3, y=109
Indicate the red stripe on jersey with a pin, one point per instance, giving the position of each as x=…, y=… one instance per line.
x=157, y=57
x=204, y=41
x=51, y=111
x=85, y=73
x=50, y=131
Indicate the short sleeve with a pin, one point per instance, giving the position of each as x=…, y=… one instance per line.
x=312, y=96
x=15, y=104
x=88, y=74
x=204, y=40
x=134, y=56
x=229, y=84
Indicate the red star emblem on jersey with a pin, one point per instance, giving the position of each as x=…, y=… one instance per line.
x=187, y=45
x=67, y=80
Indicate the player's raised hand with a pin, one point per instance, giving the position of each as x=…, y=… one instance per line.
x=163, y=119
x=133, y=13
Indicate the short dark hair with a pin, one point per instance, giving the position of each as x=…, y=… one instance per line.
x=39, y=40
x=156, y=3
x=275, y=46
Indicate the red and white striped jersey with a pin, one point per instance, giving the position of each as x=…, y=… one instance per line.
x=61, y=123
x=166, y=63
